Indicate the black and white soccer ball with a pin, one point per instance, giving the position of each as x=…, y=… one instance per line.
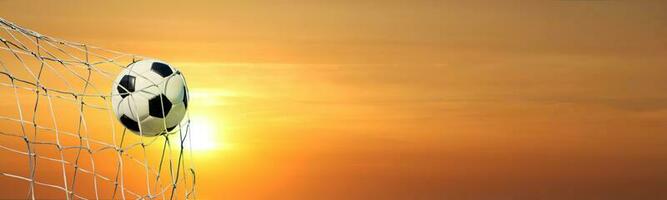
x=150, y=97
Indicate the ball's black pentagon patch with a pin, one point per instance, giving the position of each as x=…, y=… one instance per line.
x=162, y=69
x=169, y=129
x=159, y=106
x=129, y=123
x=185, y=97
x=126, y=85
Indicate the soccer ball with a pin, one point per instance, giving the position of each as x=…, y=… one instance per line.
x=150, y=97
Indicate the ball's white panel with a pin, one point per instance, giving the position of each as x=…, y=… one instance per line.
x=139, y=106
x=175, y=88
x=146, y=88
x=134, y=107
x=175, y=115
x=126, y=107
x=152, y=78
x=120, y=108
x=141, y=66
x=115, y=100
x=148, y=93
x=152, y=126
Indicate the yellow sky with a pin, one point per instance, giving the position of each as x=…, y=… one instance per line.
x=405, y=99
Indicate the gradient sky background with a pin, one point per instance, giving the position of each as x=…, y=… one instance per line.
x=405, y=99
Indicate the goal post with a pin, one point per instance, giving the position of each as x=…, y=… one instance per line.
x=58, y=134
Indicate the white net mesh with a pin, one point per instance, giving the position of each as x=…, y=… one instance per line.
x=59, y=137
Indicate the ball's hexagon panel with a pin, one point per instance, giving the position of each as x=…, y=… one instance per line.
x=152, y=126
x=176, y=114
x=174, y=89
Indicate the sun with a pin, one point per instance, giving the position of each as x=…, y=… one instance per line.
x=202, y=134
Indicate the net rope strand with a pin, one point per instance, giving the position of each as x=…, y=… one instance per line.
x=36, y=73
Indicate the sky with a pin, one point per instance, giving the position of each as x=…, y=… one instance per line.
x=404, y=99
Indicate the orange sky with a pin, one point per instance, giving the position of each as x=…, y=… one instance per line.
x=405, y=99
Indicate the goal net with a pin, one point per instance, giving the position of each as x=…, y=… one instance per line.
x=59, y=137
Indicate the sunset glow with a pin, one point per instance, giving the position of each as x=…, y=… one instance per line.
x=364, y=100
